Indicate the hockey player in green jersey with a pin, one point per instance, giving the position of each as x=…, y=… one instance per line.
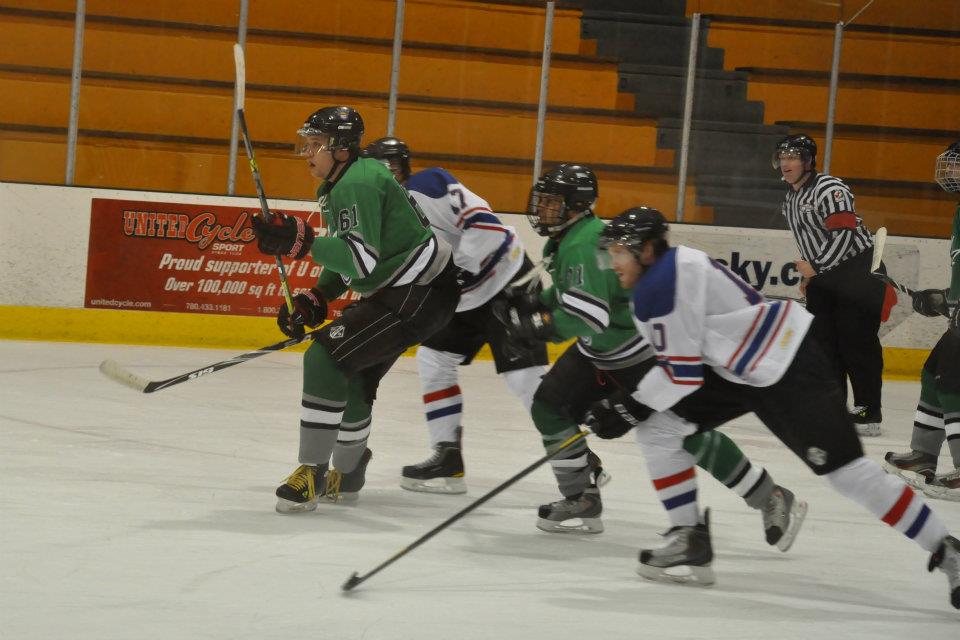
x=937, y=419
x=379, y=245
x=587, y=302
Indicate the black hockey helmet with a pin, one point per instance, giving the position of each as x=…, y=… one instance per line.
x=633, y=228
x=343, y=124
x=948, y=168
x=577, y=187
x=800, y=144
x=393, y=152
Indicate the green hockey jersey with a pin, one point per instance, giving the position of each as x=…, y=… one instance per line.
x=587, y=301
x=376, y=234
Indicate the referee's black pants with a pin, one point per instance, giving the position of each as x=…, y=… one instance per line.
x=846, y=303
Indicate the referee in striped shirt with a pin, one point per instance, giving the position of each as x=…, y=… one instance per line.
x=836, y=251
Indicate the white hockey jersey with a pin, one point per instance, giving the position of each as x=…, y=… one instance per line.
x=490, y=251
x=696, y=312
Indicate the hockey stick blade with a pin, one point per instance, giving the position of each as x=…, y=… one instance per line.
x=879, y=239
x=352, y=581
x=118, y=373
x=241, y=67
x=115, y=371
x=356, y=579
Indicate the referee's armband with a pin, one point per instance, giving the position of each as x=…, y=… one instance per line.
x=841, y=220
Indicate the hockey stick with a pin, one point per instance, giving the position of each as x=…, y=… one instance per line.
x=356, y=579
x=240, y=64
x=879, y=240
x=118, y=373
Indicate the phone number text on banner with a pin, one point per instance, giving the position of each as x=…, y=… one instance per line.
x=190, y=258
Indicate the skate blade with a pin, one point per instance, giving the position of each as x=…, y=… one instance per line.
x=915, y=480
x=941, y=493
x=798, y=511
x=571, y=525
x=434, y=485
x=289, y=506
x=701, y=576
x=344, y=497
x=869, y=430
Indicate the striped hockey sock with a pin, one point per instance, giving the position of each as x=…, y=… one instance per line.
x=678, y=492
x=717, y=454
x=887, y=497
x=319, y=423
x=444, y=410
x=928, y=432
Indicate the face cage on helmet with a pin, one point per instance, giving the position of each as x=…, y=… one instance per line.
x=533, y=211
x=948, y=171
x=796, y=152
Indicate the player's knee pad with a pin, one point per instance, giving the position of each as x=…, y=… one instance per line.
x=438, y=369
x=523, y=383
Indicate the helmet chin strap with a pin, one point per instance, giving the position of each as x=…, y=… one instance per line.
x=553, y=231
x=337, y=164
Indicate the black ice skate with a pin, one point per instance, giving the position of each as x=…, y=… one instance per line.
x=944, y=486
x=440, y=473
x=867, y=421
x=916, y=468
x=299, y=493
x=685, y=556
x=947, y=559
x=578, y=514
x=782, y=517
x=345, y=487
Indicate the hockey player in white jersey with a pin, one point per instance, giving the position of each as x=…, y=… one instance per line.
x=491, y=256
x=724, y=350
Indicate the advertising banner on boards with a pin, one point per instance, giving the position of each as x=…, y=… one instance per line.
x=186, y=258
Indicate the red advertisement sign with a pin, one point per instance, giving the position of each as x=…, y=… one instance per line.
x=162, y=256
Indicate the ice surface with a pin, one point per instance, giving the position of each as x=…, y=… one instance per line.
x=127, y=515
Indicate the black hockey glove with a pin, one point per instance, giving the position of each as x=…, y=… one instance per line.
x=285, y=235
x=931, y=303
x=525, y=318
x=309, y=309
x=615, y=415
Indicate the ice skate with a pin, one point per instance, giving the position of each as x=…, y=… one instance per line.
x=867, y=421
x=944, y=486
x=298, y=493
x=782, y=518
x=947, y=559
x=916, y=467
x=579, y=514
x=441, y=473
x=345, y=487
x=684, y=557
x=599, y=475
